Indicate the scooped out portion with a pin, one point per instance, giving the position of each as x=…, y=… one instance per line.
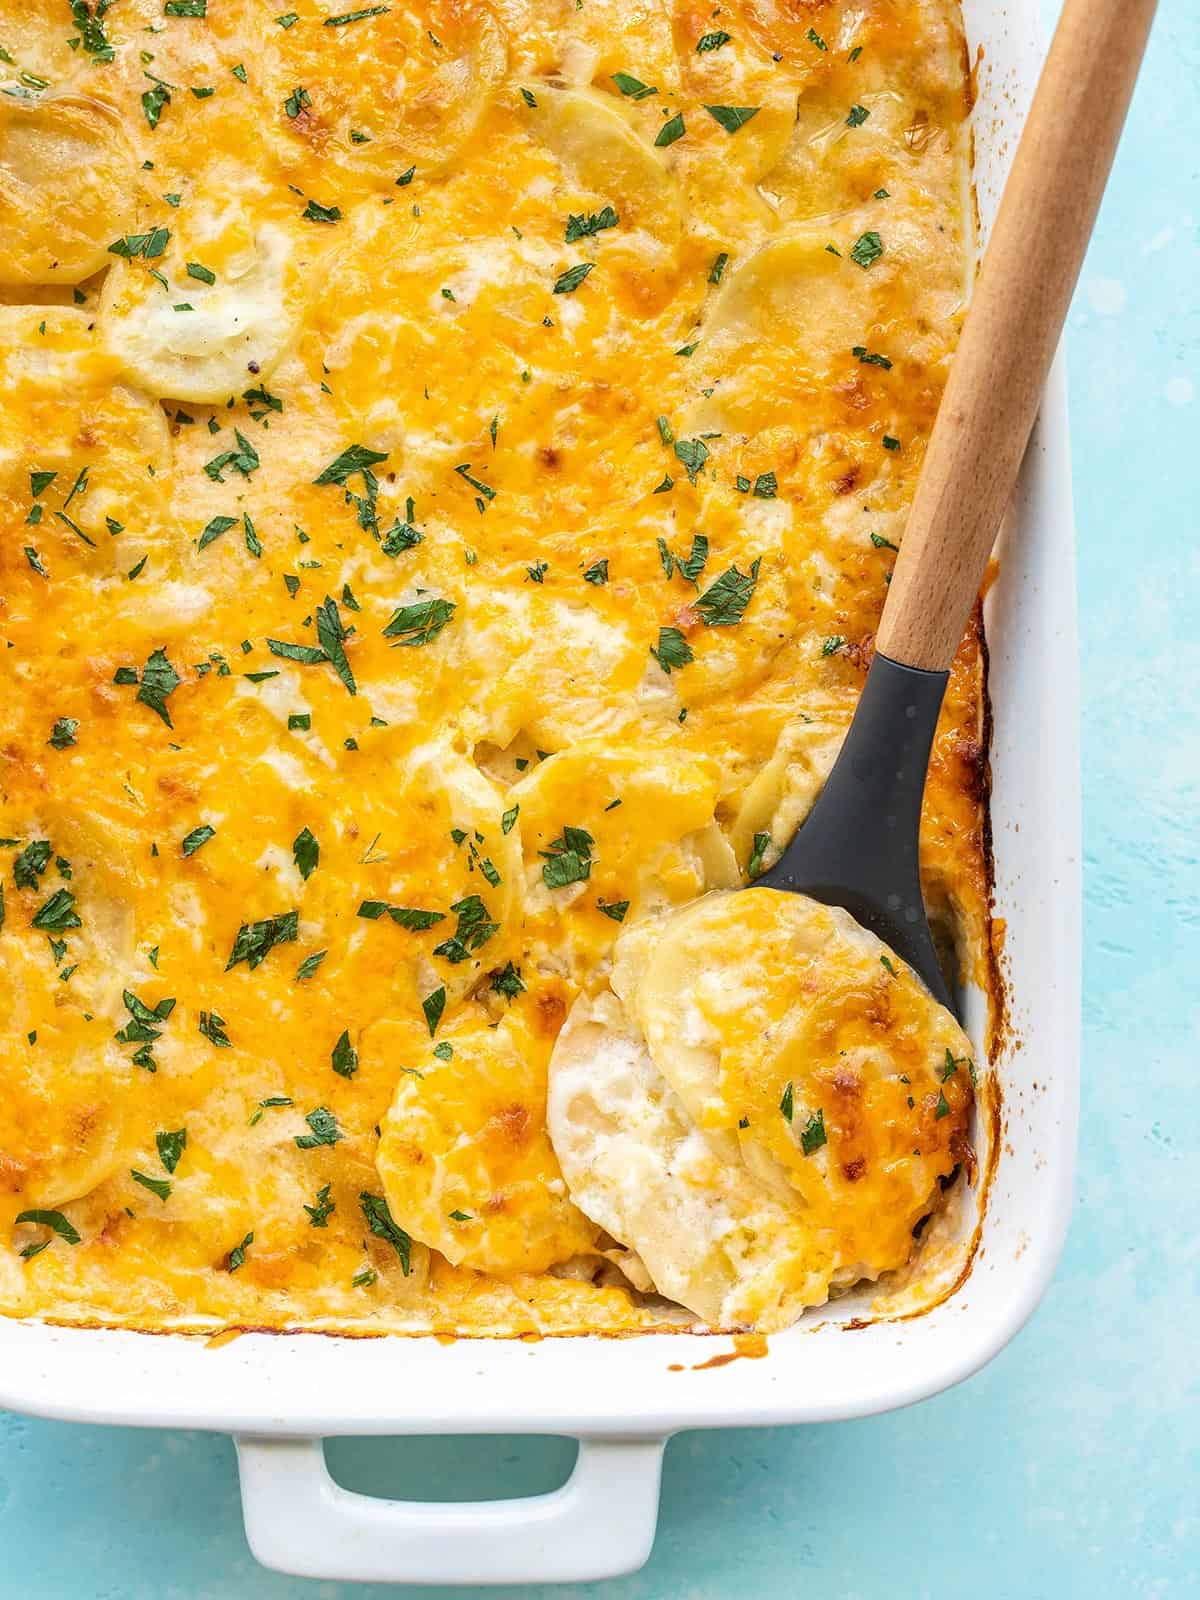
x=761, y=1103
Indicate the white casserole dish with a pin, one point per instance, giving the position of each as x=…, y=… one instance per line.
x=620, y=1397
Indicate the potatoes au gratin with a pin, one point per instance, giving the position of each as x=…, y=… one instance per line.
x=452, y=457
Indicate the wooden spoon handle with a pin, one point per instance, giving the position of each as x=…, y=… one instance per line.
x=1016, y=315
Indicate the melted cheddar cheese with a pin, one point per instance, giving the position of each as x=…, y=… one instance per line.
x=451, y=461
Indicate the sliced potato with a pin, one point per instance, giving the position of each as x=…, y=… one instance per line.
x=762, y=1105
x=779, y=1023
x=649, y=813
x=465, y=1158
x=62, y=1127
x=785, y=790
x=236, y=330
x=710, y=1236
x=445, y=795
x=609, y=163
x=558, y=669
x=779, y=323
x=433, y=126
x=66, y=169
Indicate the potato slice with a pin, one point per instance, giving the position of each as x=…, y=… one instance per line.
x=445, y=113
x=779, y=324
x=609, y=163
x=237, y=330
x=449, y=815
x=709, y=1236
x=465, y=1158
x=785, y=790
x=556, y=668
x=649, y=814
x=761, y=1105
x=777, y=1021
x=66, y=170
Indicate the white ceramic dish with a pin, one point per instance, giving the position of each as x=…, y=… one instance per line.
x=620, y=1397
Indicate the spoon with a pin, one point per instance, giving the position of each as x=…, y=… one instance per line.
x=858, y=847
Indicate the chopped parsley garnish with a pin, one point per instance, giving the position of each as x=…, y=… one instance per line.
x=58, y=914
x=858, y=115
x=433, y=1005
x=299, y=100
x=717, y=271
x=508, y=819
x=320, y=1213
x=306, y=853
x=379, y=1221
x=154, y=102
x=689, y=568
x=31, y=862
x=588, y=224
x=615, y=909
x=159, y=1186
x=832, y=645
x=53, y=1220
x=567, y=282
x=473, y=931
x=213, y=530
x=711, y=41
x=812, y=1135
x=758, y=851
x=732, y=118
x=815, y=38
x=158, y=681
x=237, y=1256
x=355, y=458
x=212, y=1027
x=568, y=860
x=870, y=359
x=198, y=836
x=324, y=1130
x=881, y=543
x=355, y=16
x=671, y=131
x=171, y=1143
x=597, y=573
x=508, y=982
x=244, y=460
x=89, y=20
x=867, y=249
x=942, y=1109
x=310, y=964
x=693, y=453
x=314, y=211
x=787, y=1103
x=886, y=963
x=724, y=602
x=633, y=87
x=147, y=245
x=344, y=1056
x=202, y=274
x=420, y=622
x=672, y=651
x=255, y=940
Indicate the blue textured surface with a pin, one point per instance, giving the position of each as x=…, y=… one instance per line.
x=1071, y=1466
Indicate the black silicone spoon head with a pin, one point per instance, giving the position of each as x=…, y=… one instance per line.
x=859, y=845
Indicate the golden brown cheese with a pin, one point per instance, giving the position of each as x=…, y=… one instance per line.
x=448, y=483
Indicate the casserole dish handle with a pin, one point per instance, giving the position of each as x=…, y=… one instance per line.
x=599, y=1524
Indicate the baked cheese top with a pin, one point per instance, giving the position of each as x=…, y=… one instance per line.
x=451, y=460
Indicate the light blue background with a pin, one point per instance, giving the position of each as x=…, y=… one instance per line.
x=1071, y=1466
